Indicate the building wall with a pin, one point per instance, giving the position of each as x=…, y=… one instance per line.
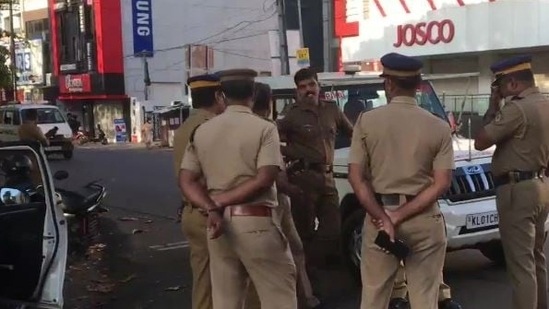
x=481, y=32
x=237, y=31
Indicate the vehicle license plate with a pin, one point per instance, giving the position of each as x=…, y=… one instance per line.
x=53, y=148
x=482, y=220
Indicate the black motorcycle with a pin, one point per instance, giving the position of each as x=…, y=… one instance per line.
x=82, y=209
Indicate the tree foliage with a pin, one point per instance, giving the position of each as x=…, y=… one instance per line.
x=5, y=71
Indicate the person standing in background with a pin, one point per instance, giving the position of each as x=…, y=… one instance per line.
x=147, y=133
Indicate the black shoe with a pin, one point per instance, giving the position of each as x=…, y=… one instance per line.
x=399, y=303
x=448, y=304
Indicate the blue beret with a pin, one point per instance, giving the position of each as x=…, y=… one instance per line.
x=201, y=81
x=399, y=65
x=510, y=65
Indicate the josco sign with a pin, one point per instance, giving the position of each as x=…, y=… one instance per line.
x=433, y=32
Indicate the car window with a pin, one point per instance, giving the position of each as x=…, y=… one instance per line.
x=356, y=99
x=8, y=117
x=48, y=115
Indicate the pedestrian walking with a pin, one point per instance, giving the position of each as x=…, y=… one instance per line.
x=207, y=103
x=309, y=129
x=400, y=162
x=520, y=131
x=147, y=133
x=238, y=155
x=306, y=299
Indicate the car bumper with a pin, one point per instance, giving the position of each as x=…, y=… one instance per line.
x=59, y=145
x=459, y=235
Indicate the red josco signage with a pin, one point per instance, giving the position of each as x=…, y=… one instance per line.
x=433, y=32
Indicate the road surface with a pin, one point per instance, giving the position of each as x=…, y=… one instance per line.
x=143, y=261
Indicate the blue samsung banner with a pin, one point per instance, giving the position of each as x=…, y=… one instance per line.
x=142, y=27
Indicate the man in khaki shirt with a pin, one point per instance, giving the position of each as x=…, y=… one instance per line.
x=400, y=163
x=29, y=130
x=310, y=127
x=520, y=131
x=207, y=103
x=238, y=155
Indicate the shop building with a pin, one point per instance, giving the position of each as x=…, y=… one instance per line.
x=450, y=36
x=88, y=65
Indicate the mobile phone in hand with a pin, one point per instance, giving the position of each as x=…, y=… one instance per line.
x=397, y=248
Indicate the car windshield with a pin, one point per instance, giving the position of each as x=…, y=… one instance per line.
x=355, y=99
x=48, y=115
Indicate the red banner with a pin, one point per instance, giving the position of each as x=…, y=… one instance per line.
x=75, y=83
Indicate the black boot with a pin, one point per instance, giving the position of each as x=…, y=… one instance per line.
x=448, y=303
x=399, y=303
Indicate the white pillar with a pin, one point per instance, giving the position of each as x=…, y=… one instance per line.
x=485, y=60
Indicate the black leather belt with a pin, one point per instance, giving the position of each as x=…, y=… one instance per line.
x=319, y=167
x=391, y=199
x=517, y=176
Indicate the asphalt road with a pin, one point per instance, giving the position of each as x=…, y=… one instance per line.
x=144, y=261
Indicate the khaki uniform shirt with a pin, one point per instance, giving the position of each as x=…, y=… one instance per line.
x=31, y=132
x=230, y=148
x=310, y=131
x=399, y=145
x=183, y=134
x=520, y=131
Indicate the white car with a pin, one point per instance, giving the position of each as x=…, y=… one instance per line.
x=33, y=235
x=49, y=117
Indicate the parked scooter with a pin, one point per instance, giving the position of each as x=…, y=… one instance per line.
x=85, y=137
x=81, y=211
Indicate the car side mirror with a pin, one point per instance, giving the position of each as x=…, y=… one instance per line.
x=11, y=196
x=60, y=175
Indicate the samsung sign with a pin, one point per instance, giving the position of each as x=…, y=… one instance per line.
x=142, y=27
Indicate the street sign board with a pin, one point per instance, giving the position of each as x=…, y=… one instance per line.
x=303, y=59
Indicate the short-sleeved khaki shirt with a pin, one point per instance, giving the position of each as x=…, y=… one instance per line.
x=31, y=132
x=520, y=131
x=399, y=145
x=311, y=131
x=230, y=148
x=183, y=133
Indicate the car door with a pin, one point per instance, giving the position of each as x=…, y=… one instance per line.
x=33, y=235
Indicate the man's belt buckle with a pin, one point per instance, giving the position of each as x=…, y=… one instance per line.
x=514, y=177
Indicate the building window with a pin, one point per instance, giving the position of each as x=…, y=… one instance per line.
x=36, y=29
x=70, y=44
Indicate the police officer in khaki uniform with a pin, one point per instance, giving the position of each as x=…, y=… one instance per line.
x=309, y=128
x=207, y=103
x=29, y=130
x=263, y=108
x=238, y=155
x=400, y=291
x=520, y=131
x=400, y=163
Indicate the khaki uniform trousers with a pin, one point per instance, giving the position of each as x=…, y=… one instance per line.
x=320, y=202
x=305, y=296
x=255, y=248
x=194, y=227
x=400, y=290
x=425, y=236
x=523, y=209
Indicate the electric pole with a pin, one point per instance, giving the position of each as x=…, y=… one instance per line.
x=284, y=58
x=146, y=76
x=300, y=19
x=12, y=51
x=327, y=33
